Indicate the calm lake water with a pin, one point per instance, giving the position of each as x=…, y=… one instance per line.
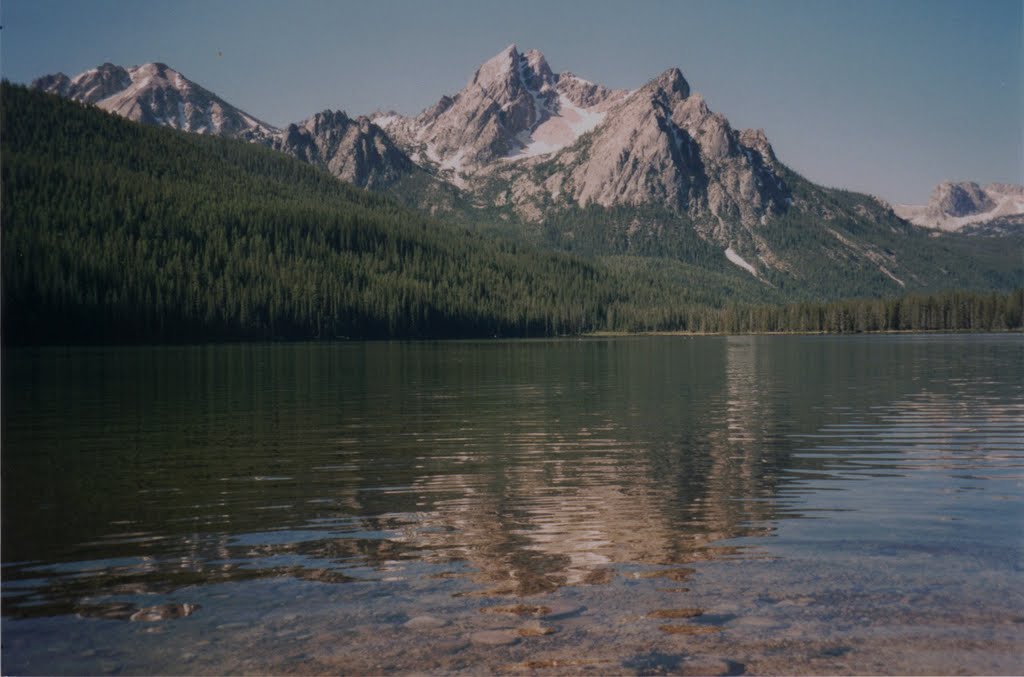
x=641, y=505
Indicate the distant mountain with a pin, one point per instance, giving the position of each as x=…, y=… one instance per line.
x=966, y=206
x=156, y=94
x=354, y=150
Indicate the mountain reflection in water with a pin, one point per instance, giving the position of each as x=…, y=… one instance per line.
x=483, y=470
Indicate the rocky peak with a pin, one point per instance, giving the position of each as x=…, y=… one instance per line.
x=671, y=82
x=498, y=70
x=959, y=199
x=691, y=111
x=509, y=95
x=513, y=107
x=757, y=141
x=354, y=150
x=580, y=92
x=663, y=146
x=155, y=93
x=91, y=86
x=431, y=113
x=326, y=121
x=536, y=72
x=156, y=68
x=57, y=83
x=967, y=207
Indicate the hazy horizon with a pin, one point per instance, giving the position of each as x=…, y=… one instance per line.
x=885, y=98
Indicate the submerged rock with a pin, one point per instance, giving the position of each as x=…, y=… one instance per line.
x=163, y=612
x=676, y=613
x=424, y=623
x=518, y=610
x=680, y=574
x=598, y=577
x=689, y=629
x=495, y=637
x=534, y=629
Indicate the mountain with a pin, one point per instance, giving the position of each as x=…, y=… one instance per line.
x=566, y=164
x=658, y=146
x=156, y=94
x=354, y=150
x=513, y=107
x=650, y=171
x=655, y=172
x=965, y=206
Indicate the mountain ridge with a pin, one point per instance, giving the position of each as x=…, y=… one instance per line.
x=968, y=207
x=155, y=93
x=564, y=161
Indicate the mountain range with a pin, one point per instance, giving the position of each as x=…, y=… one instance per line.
x=566, y=162
x=967, y=207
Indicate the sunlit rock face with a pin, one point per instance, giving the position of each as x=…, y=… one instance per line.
x=969, y=207
x=659, y=145
x=354, y=150
x=156, y=94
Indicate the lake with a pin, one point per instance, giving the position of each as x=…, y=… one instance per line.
x=690, y=505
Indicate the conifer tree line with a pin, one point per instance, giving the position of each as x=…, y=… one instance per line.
x=951, y=311
x=114, y=232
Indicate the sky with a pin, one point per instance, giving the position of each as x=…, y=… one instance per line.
x=887, y=97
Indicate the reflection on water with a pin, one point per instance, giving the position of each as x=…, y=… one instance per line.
x=688, y=505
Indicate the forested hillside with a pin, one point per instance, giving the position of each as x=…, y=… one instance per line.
x=114, y=231
x=119, y=232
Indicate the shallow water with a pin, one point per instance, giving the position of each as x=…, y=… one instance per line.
x=643, y=505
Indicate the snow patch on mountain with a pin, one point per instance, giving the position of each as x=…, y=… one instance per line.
x=561, y=127
x=385, y=121
x=738, y=260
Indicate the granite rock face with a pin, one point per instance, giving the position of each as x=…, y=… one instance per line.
x=354, y=150
x=156, y=94
x=525, y=136
x=658, y=145
x=959, y=199
x=514, y=106
x=966, y=206
x=663, y=145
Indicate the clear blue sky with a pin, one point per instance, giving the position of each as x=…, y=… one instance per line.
x=888, y=97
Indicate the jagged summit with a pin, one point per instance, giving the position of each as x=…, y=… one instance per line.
x=671, y=82
x=513, y=107
x=657, y=145
x=155, y=93
x=352, y=149
x=497, y=70
x=955, y=205
x=960, y=199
